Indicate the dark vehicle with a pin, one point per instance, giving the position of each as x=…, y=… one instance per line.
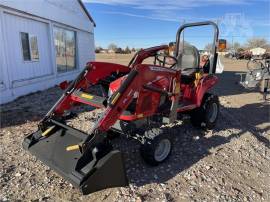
x=243, y=55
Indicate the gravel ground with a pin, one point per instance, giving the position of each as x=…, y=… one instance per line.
x=229, y=163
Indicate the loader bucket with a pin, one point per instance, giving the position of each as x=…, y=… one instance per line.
x=88, y=171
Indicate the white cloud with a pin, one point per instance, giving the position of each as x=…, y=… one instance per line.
x=170, y=10
x=140, y=16
x=171, y=4
x=163, y=16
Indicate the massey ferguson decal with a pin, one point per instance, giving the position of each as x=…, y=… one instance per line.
x=160, y=69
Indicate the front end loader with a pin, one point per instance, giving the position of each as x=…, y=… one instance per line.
x=139, y=100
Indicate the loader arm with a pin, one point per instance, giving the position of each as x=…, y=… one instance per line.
x=139, y=77
x=91, y=75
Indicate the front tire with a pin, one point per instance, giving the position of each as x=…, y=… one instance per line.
x=157, y=146
x=207, y=114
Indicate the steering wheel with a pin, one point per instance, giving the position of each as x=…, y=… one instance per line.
x=164, y=61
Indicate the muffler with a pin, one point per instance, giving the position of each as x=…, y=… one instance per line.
x=96, y=168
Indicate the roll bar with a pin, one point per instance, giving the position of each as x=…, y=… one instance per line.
x=214, y=45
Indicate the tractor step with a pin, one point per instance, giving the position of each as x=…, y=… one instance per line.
x=89, y=171
x=89, y=99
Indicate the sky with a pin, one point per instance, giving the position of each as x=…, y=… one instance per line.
x=146, y=23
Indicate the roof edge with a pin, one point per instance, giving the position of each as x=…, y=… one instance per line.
x=87, y=13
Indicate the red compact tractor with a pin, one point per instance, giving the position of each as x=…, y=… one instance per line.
x=139, y=100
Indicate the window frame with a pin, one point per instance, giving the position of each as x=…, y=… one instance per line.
x=29, y=45
x=76, y=66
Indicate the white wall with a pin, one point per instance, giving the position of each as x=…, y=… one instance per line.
x=85, y=40
x=43, y=84
x=67, y=12
x=20, y=69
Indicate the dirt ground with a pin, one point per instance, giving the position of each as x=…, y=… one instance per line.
x=229, y=163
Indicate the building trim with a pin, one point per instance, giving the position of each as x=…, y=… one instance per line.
x=10, y=10
x=6, y=80
x=87, y=13
x=28, y=81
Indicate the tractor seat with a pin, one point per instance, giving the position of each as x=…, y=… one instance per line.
x=188, y=63
x=188, y=75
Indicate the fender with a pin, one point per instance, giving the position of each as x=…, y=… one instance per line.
x=206, y=83
x=100, y=70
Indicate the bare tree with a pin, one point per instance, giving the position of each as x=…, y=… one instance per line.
x=127, y=50
x=236, y=45
x=208, y=47
x=112, y=46
x=256, y=42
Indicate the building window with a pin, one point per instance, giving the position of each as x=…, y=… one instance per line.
x=29, y=47
x=65, y=46
x=25, y=46
x=34, y=48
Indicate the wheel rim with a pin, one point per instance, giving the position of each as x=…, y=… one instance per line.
x=213, y=112
x=163, y=149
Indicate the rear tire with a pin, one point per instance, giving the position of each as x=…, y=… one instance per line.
x=207, y=114
x=157, y=146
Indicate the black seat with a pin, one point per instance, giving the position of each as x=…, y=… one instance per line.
x=188, y=75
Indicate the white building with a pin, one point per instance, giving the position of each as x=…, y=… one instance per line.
x=258, y=51
x=42, y=43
